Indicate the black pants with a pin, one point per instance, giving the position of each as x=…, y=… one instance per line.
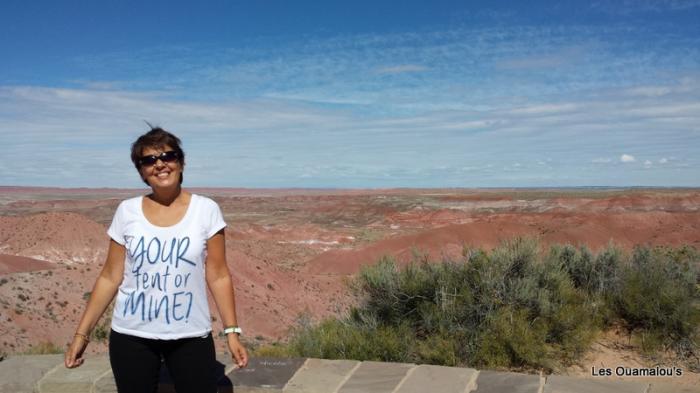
x=136, y=363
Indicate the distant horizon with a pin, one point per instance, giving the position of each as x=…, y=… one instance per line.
x=363, y=94
x=366, y=188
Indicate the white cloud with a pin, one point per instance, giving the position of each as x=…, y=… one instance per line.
x=626, y=7
x=647, y=164
x=545, y=109
x=663, y=160
x=563, y=56
x=469, y=168
x=627, y=158
x=400, y=69
x=649, y=91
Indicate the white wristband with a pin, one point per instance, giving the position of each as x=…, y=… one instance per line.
x=233, y=329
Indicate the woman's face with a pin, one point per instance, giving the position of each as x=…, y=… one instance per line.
x=164, y=172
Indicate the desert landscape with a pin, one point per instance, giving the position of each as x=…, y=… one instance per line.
x=291, y=251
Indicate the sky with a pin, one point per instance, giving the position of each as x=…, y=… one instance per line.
x=354, y=94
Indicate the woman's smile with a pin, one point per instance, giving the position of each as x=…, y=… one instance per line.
x=163, y=175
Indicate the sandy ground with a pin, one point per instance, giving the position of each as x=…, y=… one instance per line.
x=613, y=350
x=290, y=251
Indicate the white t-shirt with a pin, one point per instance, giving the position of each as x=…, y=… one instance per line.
x=163, y=294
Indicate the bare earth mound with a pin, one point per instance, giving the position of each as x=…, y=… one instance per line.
x=14, y=264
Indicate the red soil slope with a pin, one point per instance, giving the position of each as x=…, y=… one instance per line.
x=595, y=230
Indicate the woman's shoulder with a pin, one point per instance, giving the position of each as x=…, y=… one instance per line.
x=130, y=204
x=205, y=202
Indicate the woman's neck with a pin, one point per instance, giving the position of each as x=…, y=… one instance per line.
x=166, y=197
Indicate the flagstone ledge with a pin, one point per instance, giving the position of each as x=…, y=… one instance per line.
x=46, y=374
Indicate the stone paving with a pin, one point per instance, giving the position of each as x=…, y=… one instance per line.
x=46, y=374
x=495, y=382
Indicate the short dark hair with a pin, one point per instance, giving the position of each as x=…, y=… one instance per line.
x=156, y=138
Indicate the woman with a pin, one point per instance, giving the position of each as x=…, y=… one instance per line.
x=165, y=250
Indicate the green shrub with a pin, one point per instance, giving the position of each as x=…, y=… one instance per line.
x=595, y=274
x=512, y=339
x=440, y=349
x=657, y=298
x=101, y=331
x=43, y=348
x=515, y=307
x=274, y=350
x=334, y=339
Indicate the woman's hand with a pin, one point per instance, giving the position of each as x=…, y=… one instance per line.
x=74, y=354
x=240, y=355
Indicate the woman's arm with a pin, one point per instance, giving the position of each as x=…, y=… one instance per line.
x=221, y=287
x=103, y=292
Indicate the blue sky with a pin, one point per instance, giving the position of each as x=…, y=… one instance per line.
x=354, y=94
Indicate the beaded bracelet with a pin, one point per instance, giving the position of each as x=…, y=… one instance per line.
x=83, y=336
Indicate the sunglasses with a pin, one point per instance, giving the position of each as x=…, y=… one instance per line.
x=168, y=156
